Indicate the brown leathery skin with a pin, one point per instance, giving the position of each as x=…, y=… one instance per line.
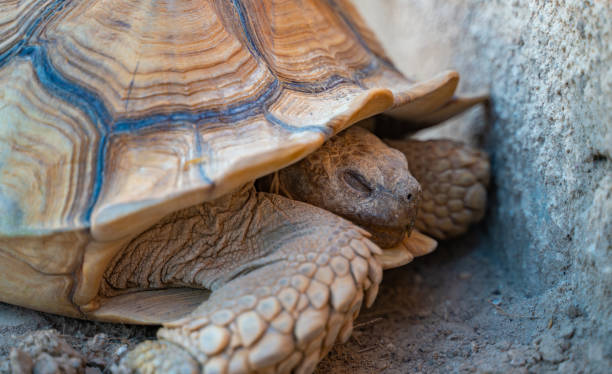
x=202, y=245
x=454, y=178
x=356, y=176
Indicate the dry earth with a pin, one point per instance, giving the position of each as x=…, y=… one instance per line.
x=458, y=310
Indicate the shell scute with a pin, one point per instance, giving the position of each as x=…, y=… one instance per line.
x=152, y=117
x=115, y=113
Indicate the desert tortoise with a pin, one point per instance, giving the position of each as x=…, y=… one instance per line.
x=131, y=132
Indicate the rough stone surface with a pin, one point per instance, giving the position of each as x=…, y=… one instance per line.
x=548, y=68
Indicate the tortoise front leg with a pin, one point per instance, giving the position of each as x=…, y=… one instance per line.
x=454, y=179
x=283, y=308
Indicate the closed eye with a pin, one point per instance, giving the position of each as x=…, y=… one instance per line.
x=357, y=182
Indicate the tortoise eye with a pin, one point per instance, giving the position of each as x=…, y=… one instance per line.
x=357, y=182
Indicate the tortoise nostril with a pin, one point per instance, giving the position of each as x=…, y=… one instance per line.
x=409, y=197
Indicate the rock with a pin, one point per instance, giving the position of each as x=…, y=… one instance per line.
x=121, y=350
x=503, y=345
x=516, y=357
x=550, y=348
x=573, y=311
x=21, y=362
x=474, y=347
x=567, y=331
x=49, y=353
x=96, y=350
x=45, y=364
x=97, y=342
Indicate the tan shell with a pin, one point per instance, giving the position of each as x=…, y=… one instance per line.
x=114, y=113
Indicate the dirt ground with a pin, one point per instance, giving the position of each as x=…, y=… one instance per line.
x=457, y=310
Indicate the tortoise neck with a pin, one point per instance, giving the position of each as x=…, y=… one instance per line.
x=201, y=246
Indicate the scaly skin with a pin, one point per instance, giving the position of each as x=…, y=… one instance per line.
x=356, y=176
x=454, y=178
x=288, y=279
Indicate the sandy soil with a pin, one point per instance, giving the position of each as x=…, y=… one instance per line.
x=457, y=310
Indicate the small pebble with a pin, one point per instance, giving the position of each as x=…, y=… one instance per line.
x=516, y=357
x=21, y=362
x=75, y=362
x=573, y=311
x=475, y=347
x=567, y=332
x=97, y=342
x=504, y=345
x=121, y=350
x=550, y=349
x=45, y=364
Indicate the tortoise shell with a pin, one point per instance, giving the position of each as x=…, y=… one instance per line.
x=115, y=113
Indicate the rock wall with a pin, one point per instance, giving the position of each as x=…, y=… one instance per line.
x=548, y=68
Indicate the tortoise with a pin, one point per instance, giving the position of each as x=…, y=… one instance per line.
x=131, y=134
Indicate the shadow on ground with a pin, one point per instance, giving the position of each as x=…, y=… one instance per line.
x=456, y=310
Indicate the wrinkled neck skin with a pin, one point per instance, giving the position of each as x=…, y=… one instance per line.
x=358, y=177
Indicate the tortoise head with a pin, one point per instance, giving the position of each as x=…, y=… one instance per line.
x=357, y=176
